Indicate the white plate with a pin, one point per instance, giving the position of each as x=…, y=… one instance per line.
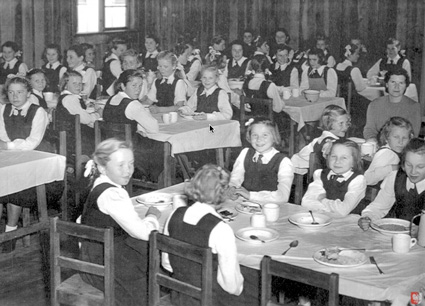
x=343, y=259
x=304, y=220
x=228, y=213
x=187, y=117
x=264, y=233
x=391, y=226
x=155, y=199
x=248, y=208
x=357, y=140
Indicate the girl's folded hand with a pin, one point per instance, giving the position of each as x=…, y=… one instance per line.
x=201, y=116
x=153, y=211
x=364, y=223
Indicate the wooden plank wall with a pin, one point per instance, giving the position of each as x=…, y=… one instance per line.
x=34, y=23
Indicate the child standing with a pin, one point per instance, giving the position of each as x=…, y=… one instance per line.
x=394, y=136
x=210, y=102
x=201, y=225
x=38, y=83
x=12, y=64
x=150, y=62
x=109, y=205
x=53, y=68
x=284, y=72
x=168, y=93
x=112, y=66
x=262, y=173
x=334, y=122
x=338, y=189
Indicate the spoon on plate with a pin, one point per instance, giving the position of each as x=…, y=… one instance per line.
x=314, y=221
x=293, y=244
x=253, y=237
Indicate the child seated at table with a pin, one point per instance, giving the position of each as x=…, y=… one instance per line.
x=37, y=79
x=322, y=43
x=318, y=76
x=201, y=225
x=167, y=93
x=263, y=48
x=22, y=127
x=53, y=68
x=12, y=65
x=248, y=46
x=131, y=60
x=218, y=44
x=109, y=205
x=150, y=61
x=339, y=188
x=402, y=193
x=194, y=63
x=236, y=66
x=334, y=122
x=284, y=72
x=262, y=173
x=394, y=136
x=209, y=101
x=89, y=55
x=111, y=69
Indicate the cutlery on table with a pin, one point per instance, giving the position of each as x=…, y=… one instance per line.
x=351, y=249
x=373, y=261
x=253, y=237
x=293, y=244
x=314, y=221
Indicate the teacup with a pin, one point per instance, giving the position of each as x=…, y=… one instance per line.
x=402, y=243
x=367, y=148
x=258, y=220
x=173, y=117
x=166, y=118
x=271, y=211
x=48, y=96
x=286, y=93
x=295, y=92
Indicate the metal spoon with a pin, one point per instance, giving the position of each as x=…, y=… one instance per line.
x=314, y=221
x=253, y=237
x=293, y=244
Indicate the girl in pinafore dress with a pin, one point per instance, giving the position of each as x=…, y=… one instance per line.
x=112, y=66
x=53, y=68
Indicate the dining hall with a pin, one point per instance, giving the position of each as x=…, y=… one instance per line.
x=212, y=152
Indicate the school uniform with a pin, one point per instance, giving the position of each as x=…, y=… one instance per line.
x=236, y=69
x=53, y=73
x=167, y=91
x=335, y=194
x=38, y=99
x=150, y=61
x=268, y=180
x=381, y=165
x=201, y=225
x=89, y=80
x=109, y=205
x=193, y=68
x=387, y=64
x=15, y=66
x=330, y=60
x=323, y=79
x=214, y=102
x=110, y=73
x=248, y=50
x=285, y=75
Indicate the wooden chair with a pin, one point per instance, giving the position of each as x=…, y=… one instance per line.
x=314, y=164
x=259, y=108
x=270, y=267
x=161, y=243
x=74, y=291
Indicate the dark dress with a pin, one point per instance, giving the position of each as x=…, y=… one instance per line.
x=107, y=77
x=334, y=189
x=52, y=75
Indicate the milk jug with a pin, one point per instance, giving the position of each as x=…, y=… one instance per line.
x=421, y=231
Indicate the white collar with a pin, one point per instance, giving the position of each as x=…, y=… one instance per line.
x=67, y=92
x=420, y=187
x=259, y=75
x=267, y=156
x=11, y=63
x=170, y=79
x=154, y=53
x=38, y=93
x=209, y=91
x=240, y=62
x=112, y=56
x=80, y=68
x=347, y=62
x=104, y=179
x=395, y=59
x=24, y=109
x=54, y=65
x=282, y=67
x=345, y=176
x=319, y=70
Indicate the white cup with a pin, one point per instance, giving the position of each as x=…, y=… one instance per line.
x=367, y=148
x=258, y=220
x=271, y=211
x=286, y=93
x=48, y=96
x=179, y=200
x=166, y=118
x=173, y=117
x=295, y=92
x=402, y=243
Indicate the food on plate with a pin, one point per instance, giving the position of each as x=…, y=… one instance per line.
x=339, y=256
x=393, y=227
x=250, y=209
x=225, y=213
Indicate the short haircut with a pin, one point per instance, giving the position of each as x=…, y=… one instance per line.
x=208, y=185
x=33, y=72
x=355, y=153
x=329, y=115
x=396, y=71
x=260, y=63
x=78, y=49
x=319, y=53
x=152, y=36
x=180, y=48
x=283, y=30
x=282, y=47
x=393, y=41
x=167, y=55
x=65, y=78
x=400, y=122
x=267, y=122
x=415, y=145
x=125, y=77
x=237, y=42
x=18, y=80
x=10, y=44
x=211, y=68
x=132, y=53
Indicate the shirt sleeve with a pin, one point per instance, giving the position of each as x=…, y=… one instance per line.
x=23, y=69
x=238, y=173
x=225, y=110
x=370, y=130
x=89, y=81
x=145, y=121
x=229, y=276
x=180, y=92
x=357, y=78
x=38, y=127
x=116, y=203
x=116, y=68
x=193, y=73
x=383, y=201
x=315, y=197
x=273, y=93
x=152, y=92
x=193, y=102
x=285, y=176
x=331, y=84
x=381, y=165
x=406, y=66
x=331, y=62
x=62, y=72
x=302, y=158
x=72, y=104
x=374, y=70
x=304, y=80
x=294, y=81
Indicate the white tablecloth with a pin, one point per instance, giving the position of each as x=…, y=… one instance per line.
x=20, y=170
x=302, y=111
x=191, y=135
x=404, y=273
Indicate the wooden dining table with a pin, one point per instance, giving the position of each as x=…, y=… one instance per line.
x=403, y=273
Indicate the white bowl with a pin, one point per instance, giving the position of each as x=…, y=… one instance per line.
x=304, y=220
x=311, y=95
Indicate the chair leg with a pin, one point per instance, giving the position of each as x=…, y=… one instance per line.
x=298, y=188
x=26, y=220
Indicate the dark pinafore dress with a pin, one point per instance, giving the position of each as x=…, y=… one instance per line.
x=282, y=77
x=236, y=72
x=317, y=81
x=207, y=104
x=5, y=72
x=52, y=75
x=385, y=66
x=150, y=63
x=131, y=255
x=189, y=271
x=107, y=77
x=41, y=101
x=165, y=92
x=334, y=189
